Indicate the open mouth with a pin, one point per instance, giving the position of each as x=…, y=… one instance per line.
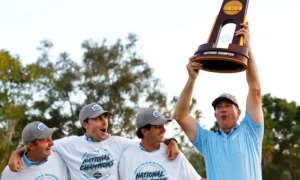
x=223, y=116
x=103, y=130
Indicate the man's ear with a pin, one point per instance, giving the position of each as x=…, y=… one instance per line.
x=29, y=146
x=144, y=131
x=85, y=124
x=239, y=112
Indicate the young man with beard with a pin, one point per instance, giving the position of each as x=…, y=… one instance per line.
x=146, y=160
x=234, y=151
x=39, y=160
x=94, y=156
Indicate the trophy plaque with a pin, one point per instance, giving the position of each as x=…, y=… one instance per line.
x=225, y=60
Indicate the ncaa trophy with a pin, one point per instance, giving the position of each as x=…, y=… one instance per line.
x=225, y=60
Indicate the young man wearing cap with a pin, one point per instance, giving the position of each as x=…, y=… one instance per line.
x=234, y=151
x=39, y=160
x=147, y=160
x=94, y=155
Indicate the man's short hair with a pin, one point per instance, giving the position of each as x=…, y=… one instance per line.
x=139, y=131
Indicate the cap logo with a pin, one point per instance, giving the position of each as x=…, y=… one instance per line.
x=156, y=114
x=225, y=95
x=96, y=107
x=41, y=126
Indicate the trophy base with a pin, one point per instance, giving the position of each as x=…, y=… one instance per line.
x=220, y=60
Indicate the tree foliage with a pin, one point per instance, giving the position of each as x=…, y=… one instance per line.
x=281, y=145
x=54, y=90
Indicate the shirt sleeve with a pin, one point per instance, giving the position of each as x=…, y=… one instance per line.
x=61, y=145
x=6, y=174
x=121, y=170
x=255, y=130
x=202, y=139
x=189, y=171
x=126, y=142
x=126, y=163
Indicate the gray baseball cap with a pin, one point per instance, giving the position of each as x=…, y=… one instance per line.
x=150, y=116
x=92, y=110
x=226, y=97
x=36, y=130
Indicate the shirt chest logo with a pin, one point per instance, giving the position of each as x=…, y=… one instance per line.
x=150, y=170
x=97, y=164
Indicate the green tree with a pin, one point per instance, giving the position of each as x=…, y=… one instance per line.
x=281, y=155
x=117, y=78
x=16, y=83
x=53, y=91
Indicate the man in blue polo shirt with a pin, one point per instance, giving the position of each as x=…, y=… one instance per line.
x=234, y=151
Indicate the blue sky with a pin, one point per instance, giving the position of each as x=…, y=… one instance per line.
x=169, y=33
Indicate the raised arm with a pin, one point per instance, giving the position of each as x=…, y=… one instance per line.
x=254, y=100
x=181, y=114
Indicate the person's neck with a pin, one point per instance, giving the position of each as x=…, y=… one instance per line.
x=32, y=157
x=228, y=130
x=150, y=146
x=92, y=138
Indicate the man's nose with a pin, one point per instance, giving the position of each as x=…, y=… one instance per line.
x=51, y=143
x=163, y=128
x=223, y=108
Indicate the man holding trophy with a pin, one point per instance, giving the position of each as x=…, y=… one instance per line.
x=234, y=151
